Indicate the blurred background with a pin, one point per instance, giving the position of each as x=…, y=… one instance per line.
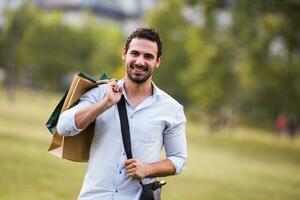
x=233, y=64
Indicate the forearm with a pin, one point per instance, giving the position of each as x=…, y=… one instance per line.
x=87, y=115
x=160, y=169
x=137, y=169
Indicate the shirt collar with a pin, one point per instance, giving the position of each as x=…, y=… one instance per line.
x=156, y=91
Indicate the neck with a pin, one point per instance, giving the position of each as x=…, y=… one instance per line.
x=138, y=89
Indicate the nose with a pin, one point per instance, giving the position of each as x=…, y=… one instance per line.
x=140, y=61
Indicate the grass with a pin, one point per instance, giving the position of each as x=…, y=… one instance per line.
x=240, y=163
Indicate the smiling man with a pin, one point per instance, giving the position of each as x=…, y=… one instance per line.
x=156, y=120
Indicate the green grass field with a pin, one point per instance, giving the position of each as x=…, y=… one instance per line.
x=233, y=164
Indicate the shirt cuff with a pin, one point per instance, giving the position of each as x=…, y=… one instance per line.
x=66, y=123
x=178, y=162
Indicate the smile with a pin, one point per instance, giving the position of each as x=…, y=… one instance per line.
x=139, y=69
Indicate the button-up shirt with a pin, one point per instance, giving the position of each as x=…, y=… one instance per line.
x=157, y=122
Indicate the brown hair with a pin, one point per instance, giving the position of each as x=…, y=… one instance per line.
x=148, y=34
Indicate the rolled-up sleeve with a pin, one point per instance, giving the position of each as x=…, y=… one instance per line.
x=175, y=141
x=66, y=123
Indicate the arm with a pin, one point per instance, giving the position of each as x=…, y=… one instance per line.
x=176, y=152
x=74, y=120
x=87, y=115
x=175, y=141
x=137, y=169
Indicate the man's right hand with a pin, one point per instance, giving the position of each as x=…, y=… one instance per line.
x=87, y=115
x=113, y=93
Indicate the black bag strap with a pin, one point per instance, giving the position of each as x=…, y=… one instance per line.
x=124, y=127
x=146, y=194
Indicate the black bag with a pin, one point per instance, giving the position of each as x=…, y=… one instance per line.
x=151, y=191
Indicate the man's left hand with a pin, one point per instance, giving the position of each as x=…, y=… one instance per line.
x=136, y=168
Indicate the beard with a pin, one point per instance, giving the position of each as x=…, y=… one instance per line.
x=139, y=74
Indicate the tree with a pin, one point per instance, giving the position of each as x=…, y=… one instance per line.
x=170, y=23
x=48, y=48
x=243, y=56
x=269, y=44
x=17, y=21
x=108, y=40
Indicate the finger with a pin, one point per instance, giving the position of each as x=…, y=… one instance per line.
x=115, y=89
x=113, y=84
x=129, y=161
x=132, y=175
x=120, y=89
x=131, y=166
x=112, y=81
x=130, y=171
x=108, y=87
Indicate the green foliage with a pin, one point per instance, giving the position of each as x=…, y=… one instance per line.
x=50, y=49
x=2, y=42
x=109, y=44
x=11, y=35
x=47, y=48
x=272, y=74
x=247, y=64
x=171, y=25
x=241, y=56
x=211, y=73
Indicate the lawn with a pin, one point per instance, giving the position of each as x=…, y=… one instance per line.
x=241, y=163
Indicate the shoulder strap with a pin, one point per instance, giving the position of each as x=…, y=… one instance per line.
x=125, y=127
x=126, y=138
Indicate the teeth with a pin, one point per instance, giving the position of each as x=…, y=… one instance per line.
x=139, y=70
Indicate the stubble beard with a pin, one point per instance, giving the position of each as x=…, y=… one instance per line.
x=139, y=80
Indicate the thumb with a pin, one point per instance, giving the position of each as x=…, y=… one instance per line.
x=120, y=89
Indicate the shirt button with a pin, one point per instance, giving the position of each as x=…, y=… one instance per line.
x=123, y=154
x=116, y=191
x=120, y=172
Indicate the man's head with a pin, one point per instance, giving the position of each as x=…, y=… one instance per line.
x=147, y=34
x=142, y=54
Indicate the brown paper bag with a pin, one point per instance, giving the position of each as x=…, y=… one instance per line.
x=75, y=148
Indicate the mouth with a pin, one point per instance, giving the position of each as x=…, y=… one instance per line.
x=139, y=73
x=139, y=69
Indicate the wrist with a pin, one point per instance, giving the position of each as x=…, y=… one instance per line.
x=107, y=103
x=148, y=170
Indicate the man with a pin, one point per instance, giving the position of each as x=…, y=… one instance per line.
x=155, y=120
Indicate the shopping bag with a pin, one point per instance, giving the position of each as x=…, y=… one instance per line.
x=74, y=148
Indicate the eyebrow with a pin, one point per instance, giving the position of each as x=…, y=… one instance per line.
x=149, y=55
x=146, y=54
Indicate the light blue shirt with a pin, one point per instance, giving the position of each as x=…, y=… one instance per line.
x=158, y=121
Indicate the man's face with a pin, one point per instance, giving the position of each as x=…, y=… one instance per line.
x=141, y=59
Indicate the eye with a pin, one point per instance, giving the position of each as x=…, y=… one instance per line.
x=134, y=53
x=149, y=57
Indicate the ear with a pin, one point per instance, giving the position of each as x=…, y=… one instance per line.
x=123, y=54
x=158, y=61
